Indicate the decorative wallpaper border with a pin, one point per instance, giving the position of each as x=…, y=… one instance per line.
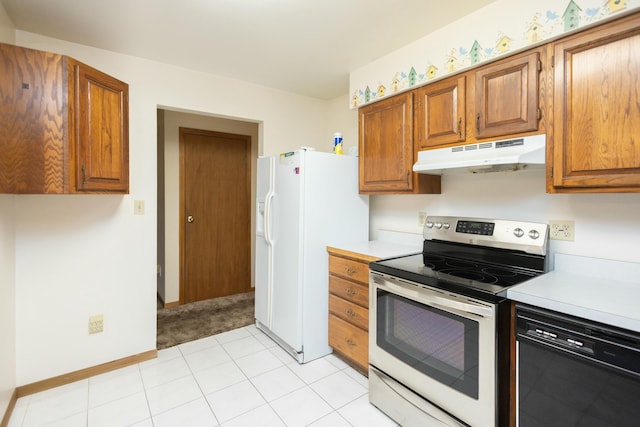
x=546, y=23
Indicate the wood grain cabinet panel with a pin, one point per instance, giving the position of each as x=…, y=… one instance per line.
x=63, y=126
x=387, y=151
x=349, y=307
x=441, y=113
x=350, y=342
x=506, y=96
x=596, y=110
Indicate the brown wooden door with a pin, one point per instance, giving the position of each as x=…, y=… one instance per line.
x=215, y=210
x=507, y=96
x=440, y=113
x=596, y=107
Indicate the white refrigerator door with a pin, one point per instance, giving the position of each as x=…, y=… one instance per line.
x=264, y=249
x=286, y=219
x=334, y=214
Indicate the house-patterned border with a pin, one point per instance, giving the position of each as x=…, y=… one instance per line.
x=544, y=24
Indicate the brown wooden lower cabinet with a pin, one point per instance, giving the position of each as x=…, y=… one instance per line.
x=351, y=342
x=349, y=307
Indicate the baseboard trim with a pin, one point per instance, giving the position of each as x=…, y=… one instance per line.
x=9, y=411
x=27, y=389
x=172, y=304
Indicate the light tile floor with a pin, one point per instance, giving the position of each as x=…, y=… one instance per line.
x=238, y=378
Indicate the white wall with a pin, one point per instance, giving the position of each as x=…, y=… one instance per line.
x=500, y=28
x=173, y=121
x=606, y=225
x=7, y=29
x=83, y=255
x=7, y=270
x=7, y=301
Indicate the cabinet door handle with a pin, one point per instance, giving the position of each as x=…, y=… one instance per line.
x=478, y=123
x=84, y=175
x=350, y=342
x=460, y=127
x=351, y=291
x=350, y=271
x=350, y=313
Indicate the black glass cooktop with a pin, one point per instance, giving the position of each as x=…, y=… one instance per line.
x=473, y=271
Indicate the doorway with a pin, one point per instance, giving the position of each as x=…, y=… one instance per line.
x=169, y=219
x=215, y=226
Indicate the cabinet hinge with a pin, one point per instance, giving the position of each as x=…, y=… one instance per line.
x=539, y=66
x=553, y=61
x=551, y=171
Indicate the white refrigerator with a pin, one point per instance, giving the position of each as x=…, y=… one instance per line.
x=306, y=200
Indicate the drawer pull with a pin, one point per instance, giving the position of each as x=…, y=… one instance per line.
x=350, y=271
x=350, y=342
x=351, y=313
x=351, y=291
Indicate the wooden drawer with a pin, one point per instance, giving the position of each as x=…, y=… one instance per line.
x=350, y=291
x=349, y=268
x=354, y=314
x=350, y=341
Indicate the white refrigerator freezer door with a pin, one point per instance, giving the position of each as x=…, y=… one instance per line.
x=264, y=249
x=286, y=307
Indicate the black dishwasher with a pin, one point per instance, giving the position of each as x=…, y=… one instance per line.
x=574, y=372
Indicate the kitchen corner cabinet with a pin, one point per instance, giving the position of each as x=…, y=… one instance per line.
x=63, y=126
x=507, y=96
x=596, y=110
x=440, y=113
x=349, y=306
x=387, y=151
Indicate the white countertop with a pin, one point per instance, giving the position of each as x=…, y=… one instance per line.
x=380, y=249
x=596, y=289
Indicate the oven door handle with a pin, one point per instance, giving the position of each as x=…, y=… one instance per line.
x=439, y=302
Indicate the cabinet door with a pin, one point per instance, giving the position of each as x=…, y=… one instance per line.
x=33, y=121
x=440, y=113
x=507, y=96
x=596, y=144
x=101, y=135
x=387, y=151
x=386, y=145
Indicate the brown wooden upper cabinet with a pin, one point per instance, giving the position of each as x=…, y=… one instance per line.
x=506, y=96
x=440, y=113
x=596, y=110
x=63, y=126
x=386, y=149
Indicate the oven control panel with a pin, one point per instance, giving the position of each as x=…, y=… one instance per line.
x=519, y=235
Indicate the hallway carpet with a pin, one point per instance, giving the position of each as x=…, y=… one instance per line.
x=189, y=322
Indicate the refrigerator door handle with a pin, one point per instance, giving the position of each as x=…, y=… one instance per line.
x=269, y=203
x=269, y=239
x=267, y=218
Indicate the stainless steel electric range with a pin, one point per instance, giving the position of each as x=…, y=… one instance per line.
x=439, y=321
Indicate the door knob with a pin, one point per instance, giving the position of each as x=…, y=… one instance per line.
x=190, y=218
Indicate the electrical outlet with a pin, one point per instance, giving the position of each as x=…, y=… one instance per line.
x=562, y=230
x=422, y=218
x=96, y=324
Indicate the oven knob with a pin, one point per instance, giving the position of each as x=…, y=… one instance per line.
x=446, y=226
x=429, y=224
x=534, y=234
x=518, y=232
x=438, y=225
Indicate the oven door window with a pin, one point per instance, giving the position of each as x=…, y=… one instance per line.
x=440, y=344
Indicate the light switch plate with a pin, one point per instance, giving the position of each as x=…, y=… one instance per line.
x=138, y=207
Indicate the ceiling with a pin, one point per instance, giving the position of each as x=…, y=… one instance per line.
x=302, y=46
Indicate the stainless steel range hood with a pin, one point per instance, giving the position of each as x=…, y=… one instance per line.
x=493, y=156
